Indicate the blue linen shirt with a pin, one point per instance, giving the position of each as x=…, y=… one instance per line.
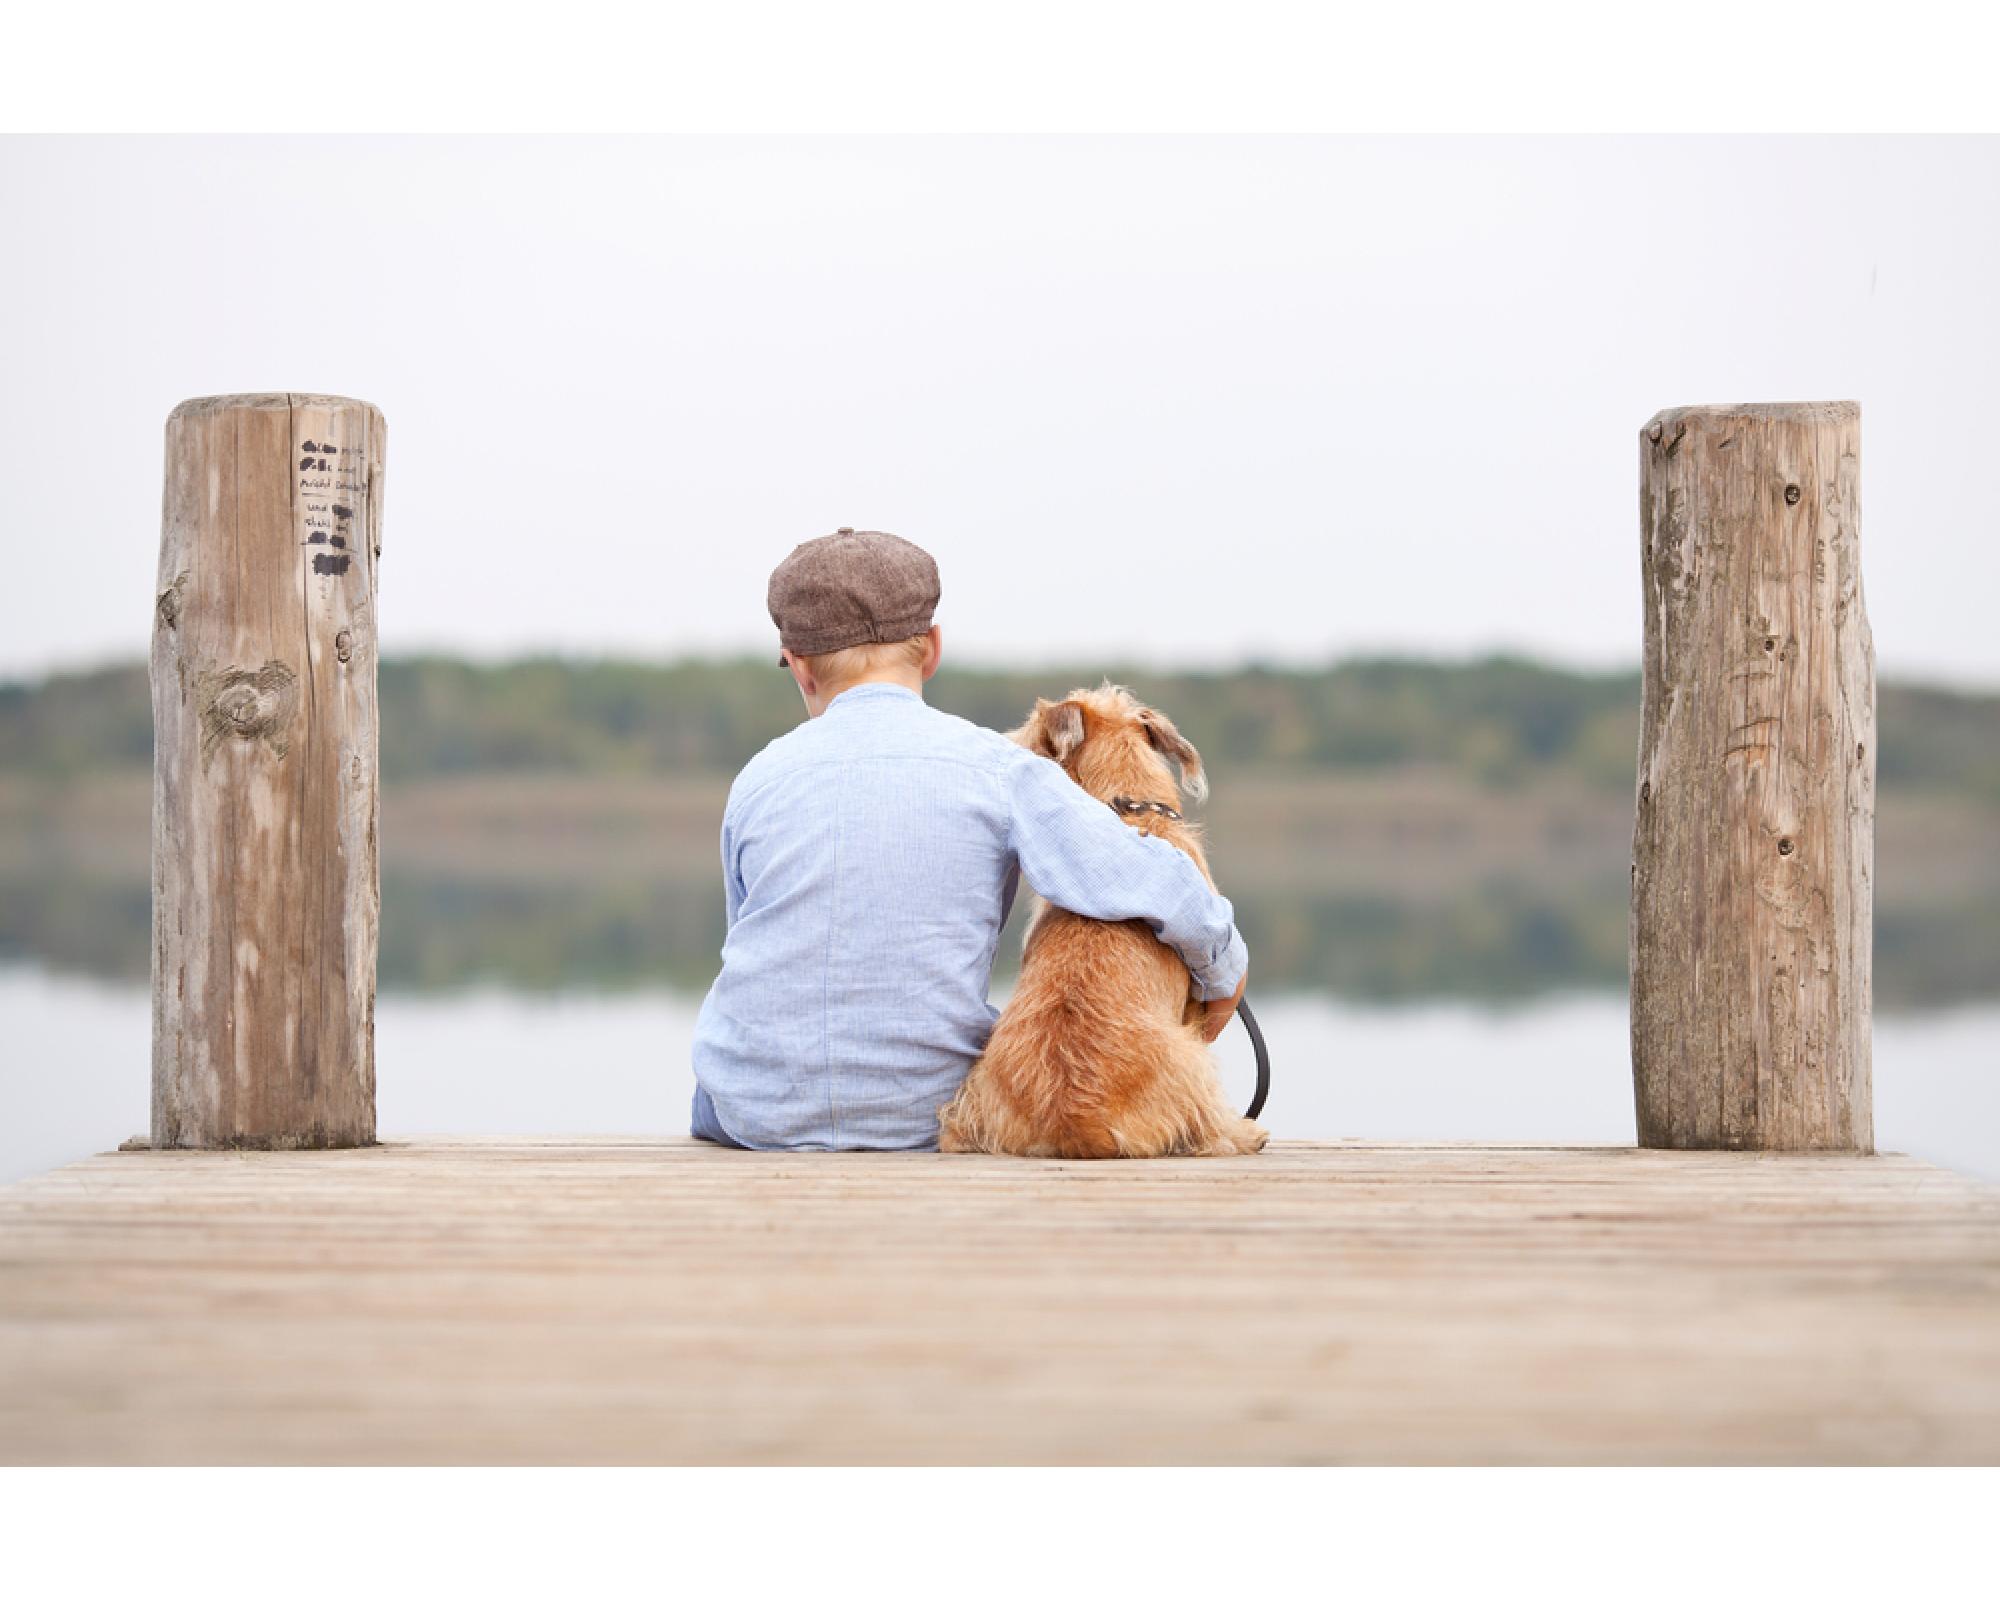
x=869, y=859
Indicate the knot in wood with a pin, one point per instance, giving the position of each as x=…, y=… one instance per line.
x=1791, y=494
x=238, y=703
x=1784, y=847
x=343, y=644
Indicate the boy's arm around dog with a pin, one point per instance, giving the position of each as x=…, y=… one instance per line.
x=1076, y=854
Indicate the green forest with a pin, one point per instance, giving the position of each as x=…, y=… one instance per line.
x=1493, y=720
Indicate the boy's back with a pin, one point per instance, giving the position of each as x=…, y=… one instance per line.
x=867, y=869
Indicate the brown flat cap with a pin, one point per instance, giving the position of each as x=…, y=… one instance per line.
x=852, y=588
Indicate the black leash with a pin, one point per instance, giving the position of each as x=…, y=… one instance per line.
x=1263, y=1058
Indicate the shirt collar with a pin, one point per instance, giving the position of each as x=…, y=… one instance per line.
x=872, y=691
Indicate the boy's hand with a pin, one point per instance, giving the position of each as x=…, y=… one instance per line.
x=1216, y=1013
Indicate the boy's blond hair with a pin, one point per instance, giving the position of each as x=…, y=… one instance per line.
x=839, y=667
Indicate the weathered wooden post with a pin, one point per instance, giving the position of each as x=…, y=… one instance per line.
x=1753, y=851
x=265, y=888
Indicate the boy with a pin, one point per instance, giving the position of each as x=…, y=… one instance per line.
x=869, y=859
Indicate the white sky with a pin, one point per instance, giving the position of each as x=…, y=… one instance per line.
x=1183, y=399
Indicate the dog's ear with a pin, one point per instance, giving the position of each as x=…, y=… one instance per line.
x=1053, y=729
x=1167, y=739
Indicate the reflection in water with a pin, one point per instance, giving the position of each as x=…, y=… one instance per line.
x=490, y=1061
x=1500, y=938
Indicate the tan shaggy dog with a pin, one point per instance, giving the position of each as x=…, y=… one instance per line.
x=1100, y=1051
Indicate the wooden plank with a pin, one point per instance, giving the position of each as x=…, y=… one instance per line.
x=657, y=1300
x=1754, y=832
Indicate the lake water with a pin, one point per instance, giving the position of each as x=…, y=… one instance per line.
x=74, y=1078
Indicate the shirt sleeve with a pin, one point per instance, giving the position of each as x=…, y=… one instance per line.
x=1076, y=854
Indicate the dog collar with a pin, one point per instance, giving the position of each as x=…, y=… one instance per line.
x=1131, y=807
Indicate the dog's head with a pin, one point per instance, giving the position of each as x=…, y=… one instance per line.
x=1113, y=745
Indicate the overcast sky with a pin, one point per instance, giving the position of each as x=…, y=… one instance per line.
x=1185, y=399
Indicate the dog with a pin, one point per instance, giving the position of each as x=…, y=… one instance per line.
x=1100, y=1051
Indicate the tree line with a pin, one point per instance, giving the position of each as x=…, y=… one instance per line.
x=1494, y=720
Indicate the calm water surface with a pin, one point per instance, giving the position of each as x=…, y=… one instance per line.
x=74, y=1078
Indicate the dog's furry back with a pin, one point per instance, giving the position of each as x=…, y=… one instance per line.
x=1100, y=1053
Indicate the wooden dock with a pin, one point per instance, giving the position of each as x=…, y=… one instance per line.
x=624, y=1300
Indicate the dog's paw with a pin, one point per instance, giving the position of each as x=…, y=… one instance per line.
x=1247, y=1138
x=1240, y=1137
